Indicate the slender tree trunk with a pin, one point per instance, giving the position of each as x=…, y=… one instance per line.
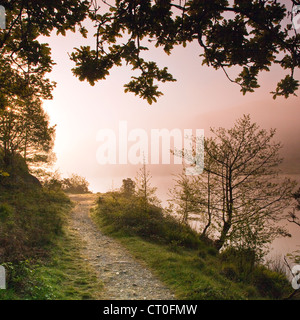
x=25, y=146
x=7, y=158
x=203, y=235
x=221, y=241
x=229, y=208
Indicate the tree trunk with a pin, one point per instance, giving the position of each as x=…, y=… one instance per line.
x=229, y=208
x=203, y=235
x=220, y=242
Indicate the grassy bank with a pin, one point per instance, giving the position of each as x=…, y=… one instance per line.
x=191, y=268
x=40, y=252
x=67, y=274
x=63, y=275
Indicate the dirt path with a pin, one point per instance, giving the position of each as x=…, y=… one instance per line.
x=124, y=278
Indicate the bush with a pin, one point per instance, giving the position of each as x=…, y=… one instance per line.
x=270, y=283
x=18, y=274
x=129, y=214
x=239, y=265
x=230, y=271
x=29, y=220
x=23, y=280
x=75, y=184
x=242, y=259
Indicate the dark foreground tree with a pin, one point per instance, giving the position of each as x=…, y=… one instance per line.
x=25, y=130
x=252, y=35
x=24, y=64
x=24, y=59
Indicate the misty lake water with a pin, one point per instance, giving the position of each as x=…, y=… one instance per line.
x=280, y=247
x=283, y=246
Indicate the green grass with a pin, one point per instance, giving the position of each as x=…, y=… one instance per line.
x=64, y=275
x=188, y=275
x=41, y=254
x=69, y=275
x=191, y=268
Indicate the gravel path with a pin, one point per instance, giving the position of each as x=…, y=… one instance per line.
x=124, y=277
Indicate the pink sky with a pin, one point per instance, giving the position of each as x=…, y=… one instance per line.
x=201, y=98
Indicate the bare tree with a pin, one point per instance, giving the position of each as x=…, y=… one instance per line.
x=245, y=197
x=293, y=217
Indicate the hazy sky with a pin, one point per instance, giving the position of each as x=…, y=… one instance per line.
x=201, y=98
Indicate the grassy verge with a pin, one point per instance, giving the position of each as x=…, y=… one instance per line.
x=40, y=253
x=183, y=271
x=68, y=275
x=64, y=275
x=198, y=273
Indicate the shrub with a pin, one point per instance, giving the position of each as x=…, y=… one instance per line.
x=269, y=283
x=129, y=214
x=243, y=259
x=75, y=184
x=23, y=280
x=230, y=271
x=29, y=220
x=18, y=274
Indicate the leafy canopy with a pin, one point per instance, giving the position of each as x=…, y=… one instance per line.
x=24, y=60
x=252, y=35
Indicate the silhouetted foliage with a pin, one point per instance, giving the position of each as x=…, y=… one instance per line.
x=24, y=60
x=252, y=35
x=128, y=187
x=75, y=184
